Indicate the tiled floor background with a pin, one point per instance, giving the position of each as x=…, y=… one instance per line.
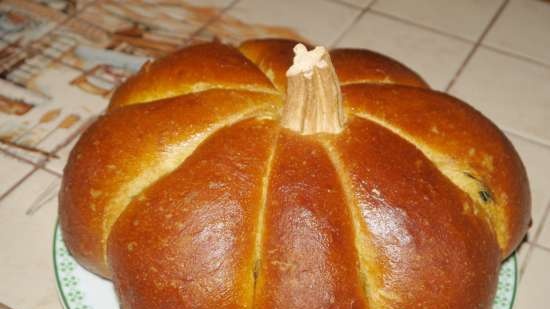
x=494, y=54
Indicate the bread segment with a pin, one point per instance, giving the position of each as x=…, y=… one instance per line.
x=430, y=254
x=188, y=240
x=359, y=66
x=470, y=150
x=190, y=70
x=273, y=57
x=353, y=66
x=308, y=258
x=129, y=149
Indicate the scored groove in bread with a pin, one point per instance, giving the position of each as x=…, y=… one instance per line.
x=456, y=173
x=129, y=167
x=410, y=227
x=260, y=73
x=190, y=70
x=465, y=146
x=363, y=244
x=260, y=222
x=308, y=260
x=196, y=227
x=149, y=176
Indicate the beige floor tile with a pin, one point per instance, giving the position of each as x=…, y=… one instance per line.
x=359, y=3
x=26, y=256
x=435, y=57
x=521, y=256
x=535, y=284
x=536, y=159
x=512, y=92
x=58, y=164
x=523, y=28
x=544, y=238
x=320, y=22
x=11, y=171
x=465, y=18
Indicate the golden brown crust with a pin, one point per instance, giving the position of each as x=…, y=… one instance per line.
x=136, y=145
x=430, y=253
x=188, y=240
x=400, y=210
x=274, y=57
x=471, y=142
x=355, y=66
x=193, y=69
x=308, y=256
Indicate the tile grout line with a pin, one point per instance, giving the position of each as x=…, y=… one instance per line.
x=210, y=22
x=7, y=152
x=35, y=51
x=531, y=139
x=539, y=246
x=533, y=243
x=350, y=5
x=19, y=182
x=477, y=44
x=362, y=13
x=523, y=266
x=59, y=25
x=66, y=142
x=421, y=26
x=516, y=55
x=41, y=165
x=538, y=232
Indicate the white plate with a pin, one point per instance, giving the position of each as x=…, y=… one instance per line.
x=80, y=289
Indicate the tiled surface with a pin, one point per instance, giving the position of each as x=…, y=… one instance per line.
x=512, y=92
x=317, y=21
x=523, y=29
x=434, y=56
x=449, y=16
x=11, y=172
x=27, y=271
x=60, y=61
x=533, y=290
x=536, y=158
x=358, y=3
x=544, y=237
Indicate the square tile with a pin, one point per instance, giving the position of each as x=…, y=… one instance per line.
x=534, y=286
x=535, y=157
x=434, y=56
x=523, y=28
x=11, y=172
x=466, y=18
x=26, y=257
x=318, y=22
x=512, y=92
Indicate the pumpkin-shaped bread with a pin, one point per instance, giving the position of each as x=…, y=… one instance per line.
x=272, y=176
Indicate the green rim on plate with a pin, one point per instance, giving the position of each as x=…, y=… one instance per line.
x=79, y=289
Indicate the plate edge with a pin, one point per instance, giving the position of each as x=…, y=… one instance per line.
x=59, y=289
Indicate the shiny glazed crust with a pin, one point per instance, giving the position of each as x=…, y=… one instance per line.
x=188, y=194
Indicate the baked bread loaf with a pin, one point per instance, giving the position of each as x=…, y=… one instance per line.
x=218, y=180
